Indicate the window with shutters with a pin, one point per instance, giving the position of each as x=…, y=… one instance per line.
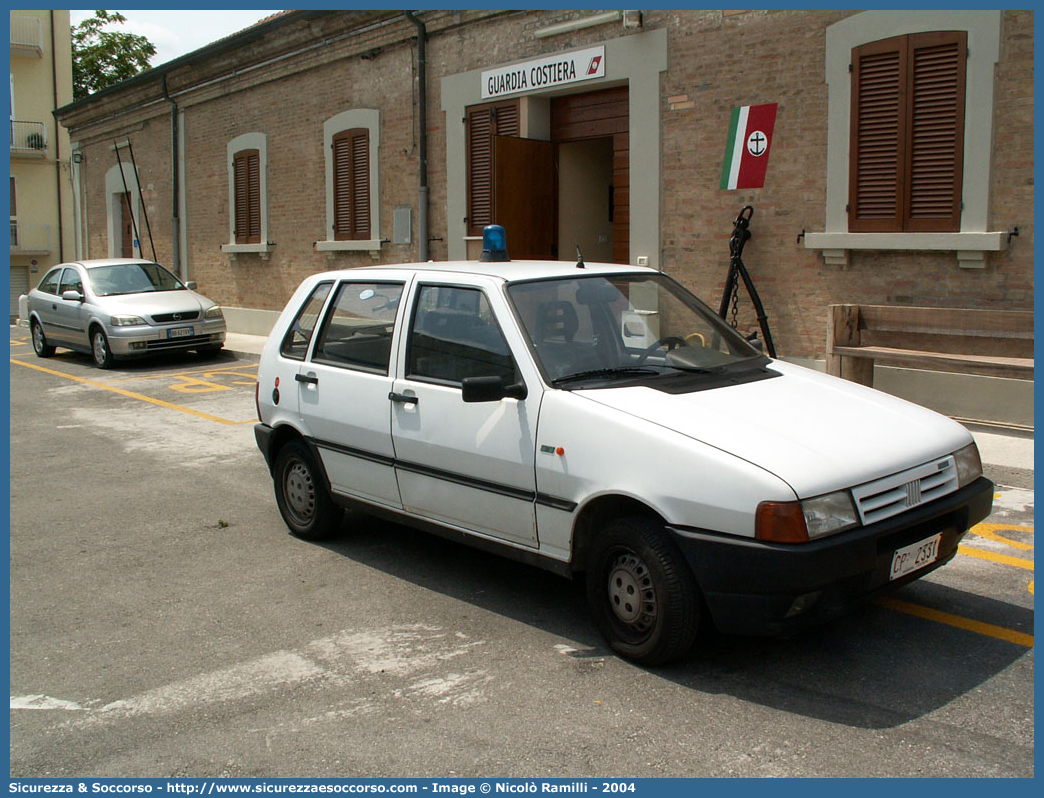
x=907, y=153
x=246, y=170
x=484, y=123
x=351, y=178
x=910, y=142
x=248, y=196
x=352, y=143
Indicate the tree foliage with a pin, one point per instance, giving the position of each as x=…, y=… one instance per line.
x=102, y=58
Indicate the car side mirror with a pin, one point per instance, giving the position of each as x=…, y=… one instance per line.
x=72, y=296
x=192, y=285
x=491, y=389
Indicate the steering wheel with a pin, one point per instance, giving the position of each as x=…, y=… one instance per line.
x=669, y=342
x=695, y=337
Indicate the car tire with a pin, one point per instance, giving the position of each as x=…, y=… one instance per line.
x=40, y=345
x=301, y=494
x=212, y=350
x=100, y=350
x=642, y=593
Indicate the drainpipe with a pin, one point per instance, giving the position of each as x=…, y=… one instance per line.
x=422, y=101
x=57, y=142
x=175, y=220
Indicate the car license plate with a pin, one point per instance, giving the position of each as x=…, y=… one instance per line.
x=180, y=332
x=914, y=557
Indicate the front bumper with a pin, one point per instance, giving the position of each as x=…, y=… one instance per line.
x=751, y=587
x=134, y=341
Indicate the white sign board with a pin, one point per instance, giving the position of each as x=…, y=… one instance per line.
x=544, y=73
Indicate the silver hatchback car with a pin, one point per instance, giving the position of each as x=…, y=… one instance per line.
x=121, y=307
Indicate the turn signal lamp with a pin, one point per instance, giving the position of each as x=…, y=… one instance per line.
x=494, y=244
x=781, y=522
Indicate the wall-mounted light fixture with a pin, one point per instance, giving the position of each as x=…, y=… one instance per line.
x=577, y=24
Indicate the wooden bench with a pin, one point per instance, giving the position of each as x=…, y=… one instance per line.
x=996, y=343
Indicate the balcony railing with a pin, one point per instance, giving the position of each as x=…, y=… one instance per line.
x=28, y=137
x=26, y=36
x=30, y=239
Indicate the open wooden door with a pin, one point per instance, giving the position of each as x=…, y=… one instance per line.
x=525, y=196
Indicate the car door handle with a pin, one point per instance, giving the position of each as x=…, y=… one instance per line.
x=403, y=398
x=311, y=379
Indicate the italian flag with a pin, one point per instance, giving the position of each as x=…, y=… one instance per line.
x=747, y=152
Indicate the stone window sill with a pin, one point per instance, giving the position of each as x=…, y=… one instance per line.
x=971, y=248
x=348, y=246
x=232, y=250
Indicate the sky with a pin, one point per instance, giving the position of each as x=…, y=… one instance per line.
x=175, y=32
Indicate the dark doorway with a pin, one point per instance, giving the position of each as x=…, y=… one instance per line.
x=126, y=227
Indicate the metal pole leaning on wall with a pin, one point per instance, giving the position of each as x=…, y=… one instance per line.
x=141, y=199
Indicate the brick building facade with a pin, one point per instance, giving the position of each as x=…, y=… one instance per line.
x=288, y=86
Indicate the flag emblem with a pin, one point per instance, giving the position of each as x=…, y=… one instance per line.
x=747, y=150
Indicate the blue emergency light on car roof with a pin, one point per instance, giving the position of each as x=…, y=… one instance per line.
x=494, y=243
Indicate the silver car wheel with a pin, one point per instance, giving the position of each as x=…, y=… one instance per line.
x=40, y=345
x=100, y=349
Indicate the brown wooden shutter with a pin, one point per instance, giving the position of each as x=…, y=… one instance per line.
x=246, y=170
x=936, y=140
x=907, y=148
x=878, y=124
x=351, y=167
x=484, y=123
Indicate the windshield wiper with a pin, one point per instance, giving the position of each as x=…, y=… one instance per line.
x=699, y=369
x=607, y=373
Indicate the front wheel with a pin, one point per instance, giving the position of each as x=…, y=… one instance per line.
x=301, y=494
x=210, y=350
x=100, y=350
x=642, y=593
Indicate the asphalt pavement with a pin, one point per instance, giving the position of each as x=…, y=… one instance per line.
x=165, y=624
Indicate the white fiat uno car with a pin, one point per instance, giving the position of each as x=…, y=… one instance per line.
x=601, y=419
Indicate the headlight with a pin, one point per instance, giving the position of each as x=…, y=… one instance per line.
x=126, y=321
x=214, y=313
x=969, y=465
x=828, y=514
x=800, y=522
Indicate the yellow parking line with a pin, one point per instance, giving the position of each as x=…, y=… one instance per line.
x=133, y=395
x=987, y=629
x=1003, y=559
x=233, y=371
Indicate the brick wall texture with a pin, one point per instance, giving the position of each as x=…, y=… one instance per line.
x=288, y=82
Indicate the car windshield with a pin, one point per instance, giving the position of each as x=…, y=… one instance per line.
x=605, y=328
x=132, y=278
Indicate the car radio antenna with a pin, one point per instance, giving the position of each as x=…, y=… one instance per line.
x=737, y=271
x=580, y=258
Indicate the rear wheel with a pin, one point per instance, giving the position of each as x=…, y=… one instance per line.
x=642, y=593
x=40, y=345
x=100, y=350
x=301, y=494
